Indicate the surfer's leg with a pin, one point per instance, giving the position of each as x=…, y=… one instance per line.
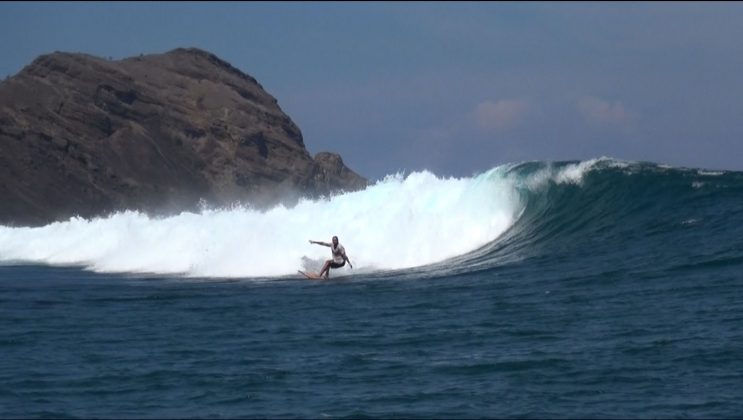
x=325, y=269
x=331, y=264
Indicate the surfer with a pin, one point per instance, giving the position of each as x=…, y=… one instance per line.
x=339, y=257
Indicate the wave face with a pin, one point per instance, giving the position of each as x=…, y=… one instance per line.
x=419, y=225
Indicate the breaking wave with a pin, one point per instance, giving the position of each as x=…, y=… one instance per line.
x=418, y=223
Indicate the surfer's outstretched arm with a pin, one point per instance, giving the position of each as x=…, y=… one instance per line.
x=320, y=243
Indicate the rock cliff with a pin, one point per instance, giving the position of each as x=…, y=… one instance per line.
x=82, y=135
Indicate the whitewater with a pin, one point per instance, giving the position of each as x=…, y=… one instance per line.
x=400, y=222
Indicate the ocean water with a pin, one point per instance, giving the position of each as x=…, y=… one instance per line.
x=602, y=289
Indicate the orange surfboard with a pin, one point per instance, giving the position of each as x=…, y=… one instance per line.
x=310, y=275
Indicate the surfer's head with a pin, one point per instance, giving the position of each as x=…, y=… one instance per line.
x=335, y=240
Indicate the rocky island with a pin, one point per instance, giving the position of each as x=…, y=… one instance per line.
x=83, y=135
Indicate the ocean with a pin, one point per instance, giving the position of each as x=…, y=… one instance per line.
x=600, y=289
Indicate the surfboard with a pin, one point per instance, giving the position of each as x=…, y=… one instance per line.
x=310, y=275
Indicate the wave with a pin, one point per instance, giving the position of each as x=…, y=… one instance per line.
x=418, y=223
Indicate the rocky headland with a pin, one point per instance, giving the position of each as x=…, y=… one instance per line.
x=83, y=135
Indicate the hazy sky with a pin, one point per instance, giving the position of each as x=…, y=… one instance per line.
x=456, y=88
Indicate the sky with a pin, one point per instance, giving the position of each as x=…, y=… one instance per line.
x=454, y=88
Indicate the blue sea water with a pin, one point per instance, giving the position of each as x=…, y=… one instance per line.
x=601, y=289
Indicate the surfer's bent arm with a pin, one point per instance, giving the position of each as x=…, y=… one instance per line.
x=345, y=257
x=320, y=243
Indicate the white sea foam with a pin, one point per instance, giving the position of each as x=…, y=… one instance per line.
x=569, y=174
x=697, y=185
x=399, y=222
